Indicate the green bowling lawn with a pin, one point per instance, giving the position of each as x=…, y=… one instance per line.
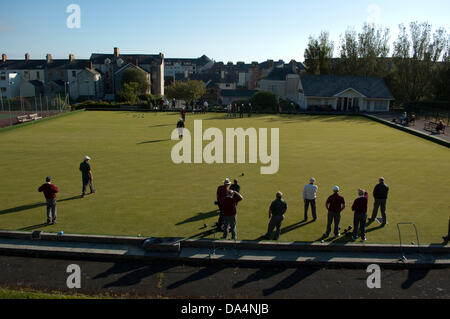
x=140, y=191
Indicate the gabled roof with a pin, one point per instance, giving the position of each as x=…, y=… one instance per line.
x=63, y=64
x=331, y=85
x=99, y=58
x=279, y=74
x=201, y=61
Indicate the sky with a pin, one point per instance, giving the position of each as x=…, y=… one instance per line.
x=233, y=30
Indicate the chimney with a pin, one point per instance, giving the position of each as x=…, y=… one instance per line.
x=230, y=63
x=27, y=57
x=49, y=58
x=3, y=57
x=71, y=57
x=270, y=63
x=116, y=52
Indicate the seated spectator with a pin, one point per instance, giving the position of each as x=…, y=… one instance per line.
x=404, y=118
x=411, y=120
x=440, y=127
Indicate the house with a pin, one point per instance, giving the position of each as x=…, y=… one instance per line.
x=109, y=64
x=13, y=73
x=345, y=93
x=284, y=82
x=48, y=77
x=175, y=66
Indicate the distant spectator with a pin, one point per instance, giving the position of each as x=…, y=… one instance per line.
x=183, y=114
x=229, y=208
x=250, y=110
x=380, y=193
x=50, y=191
x=359, y=219
x=229, y=110
x=180, y=127
x=276, y=215
x=236, y=187
x=241, y=111
x=404, y=118
x=335, y=205
x=86, y=174
x=440, y=127
x=309, y=198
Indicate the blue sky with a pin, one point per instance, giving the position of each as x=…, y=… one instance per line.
x=245, y=30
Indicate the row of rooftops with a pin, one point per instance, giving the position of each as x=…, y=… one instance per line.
x=137, y=59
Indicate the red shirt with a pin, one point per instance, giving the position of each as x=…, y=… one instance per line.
x=360, y=204
x=335, y=202
x=229, y=205
x=49, y=190
x=221, y=193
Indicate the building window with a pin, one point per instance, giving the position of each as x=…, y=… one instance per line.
x=61, y=73
x=3, y=78
x=3, y=89
x=74, y=74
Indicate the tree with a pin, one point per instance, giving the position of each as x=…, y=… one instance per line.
x=128, y=93
x=188, y=91
x=364, y=54
x=319, y=53
x=416, y=57
x=264, y=101
x=137, y=76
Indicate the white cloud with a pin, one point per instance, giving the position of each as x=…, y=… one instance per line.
x=373, y=13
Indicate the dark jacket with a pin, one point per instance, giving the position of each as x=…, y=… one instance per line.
x=180, y=124
x=381, y=191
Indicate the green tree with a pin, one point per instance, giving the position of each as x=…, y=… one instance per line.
x=128, y=93
x=188, y=91
x=416, y=57
x=264, y=101
x=318, y=54
x=138, y=76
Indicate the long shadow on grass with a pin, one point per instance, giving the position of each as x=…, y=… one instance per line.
x=35, y=205
x=199, y=217
x=161, y=125
x=295, y=226
x=155, y=141
x=34, y=227
x=133, y=273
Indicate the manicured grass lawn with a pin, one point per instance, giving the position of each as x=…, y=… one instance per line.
x=140, y=190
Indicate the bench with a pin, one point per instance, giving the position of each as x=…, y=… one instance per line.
x=431, y=127
x=28, y=118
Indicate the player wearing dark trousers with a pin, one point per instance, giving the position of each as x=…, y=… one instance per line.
x=335, y=205
x=50, y=191
x=276, y=215
x=221, y=194
x=229, y=207
x=380, y=193
x=309, y=198
x=359, y=219
x=86, y=175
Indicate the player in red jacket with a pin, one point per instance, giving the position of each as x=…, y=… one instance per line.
x=50, y=191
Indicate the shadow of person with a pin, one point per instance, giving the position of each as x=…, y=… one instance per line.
x=199, y=217
x=155, y=141
x=34, y=227
x=298, y=275
x=295, y=226
x=134, y=273
x=414, y=275
x=201, y=274
x=261, y=274
x=21, y=208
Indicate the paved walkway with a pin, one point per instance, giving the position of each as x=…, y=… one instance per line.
x=229, y=253
x=419, y=126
